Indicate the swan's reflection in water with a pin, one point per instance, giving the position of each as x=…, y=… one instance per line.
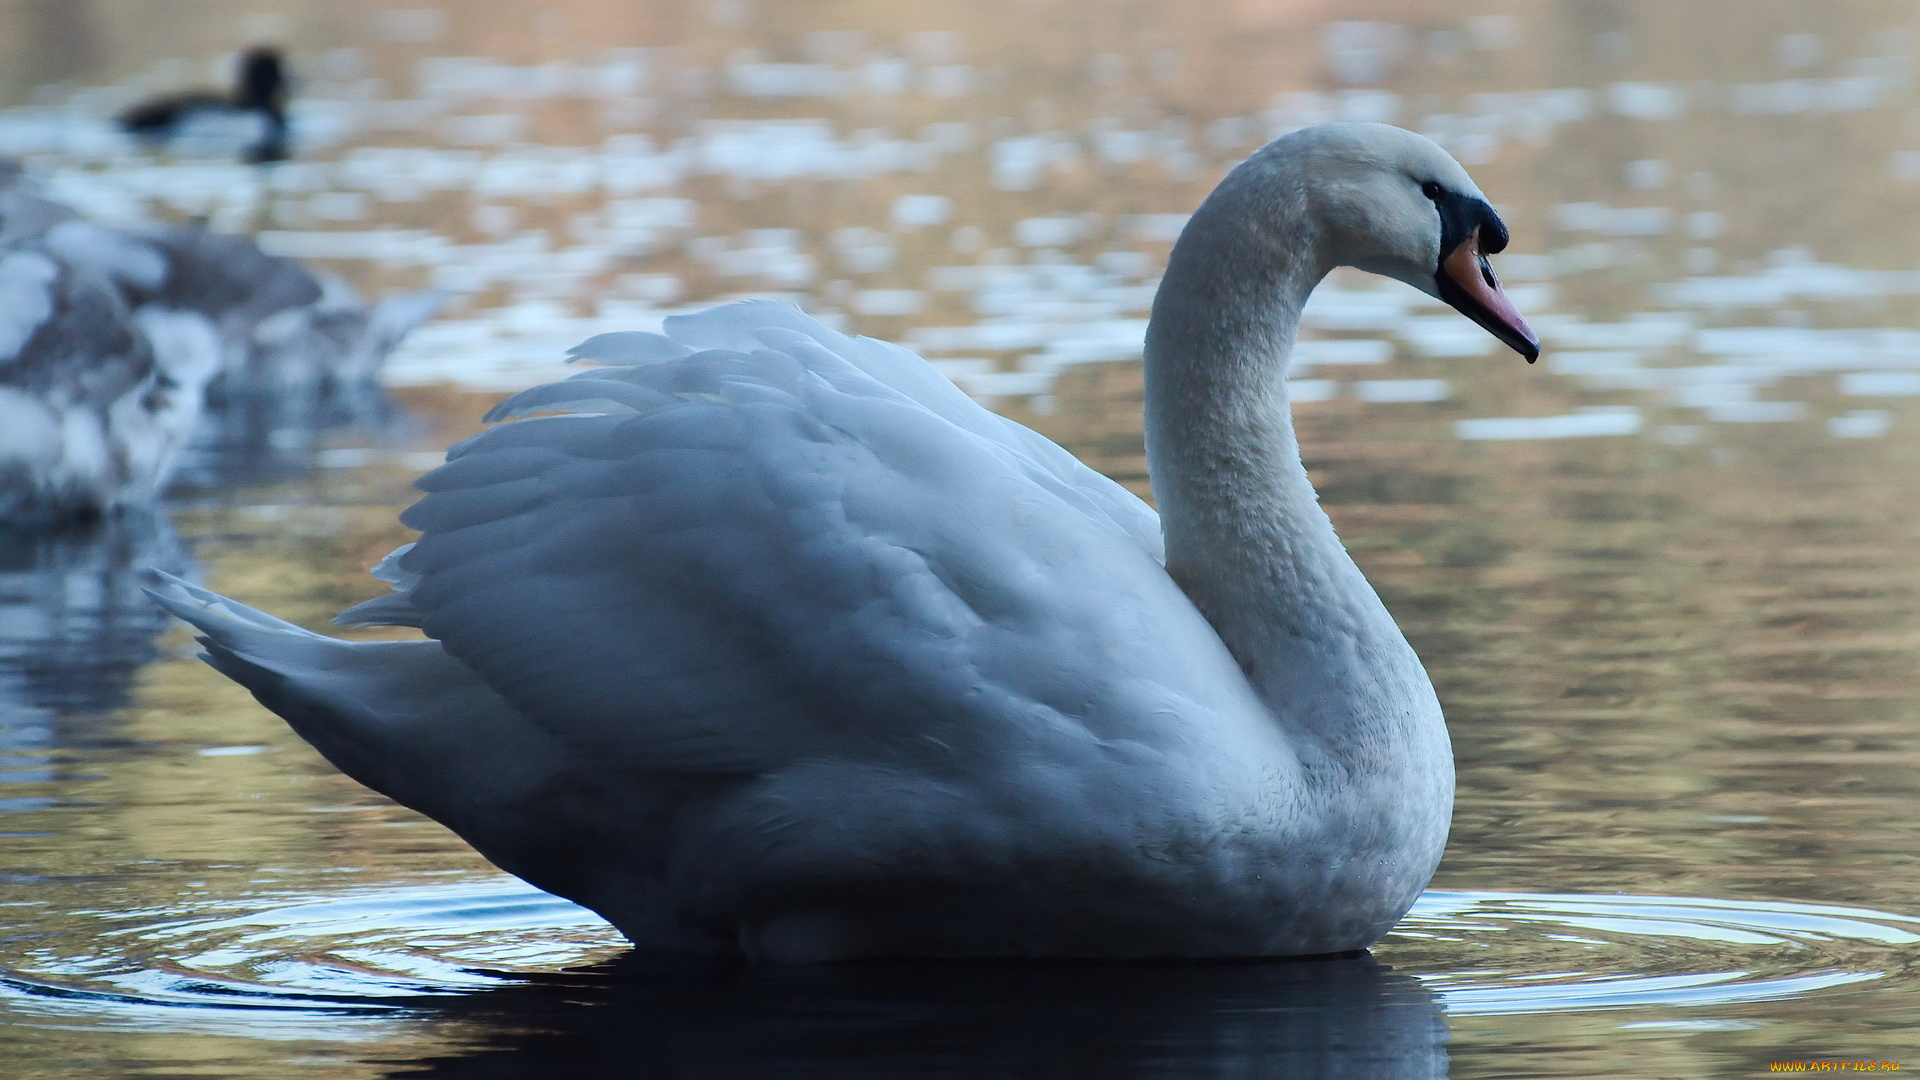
x=74, y=624
x=1304, y=1020
x=250, y=437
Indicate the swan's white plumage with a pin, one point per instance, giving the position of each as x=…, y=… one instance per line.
x=768, y=639
x=900, y=640
x=833, y=548
x=776, y=326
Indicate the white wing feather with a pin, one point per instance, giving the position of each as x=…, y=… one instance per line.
x=765, y=552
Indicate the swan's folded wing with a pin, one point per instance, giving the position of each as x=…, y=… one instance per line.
x=769, y=556
x=758, y=323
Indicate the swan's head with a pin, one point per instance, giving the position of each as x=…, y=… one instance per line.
x=1393, y=203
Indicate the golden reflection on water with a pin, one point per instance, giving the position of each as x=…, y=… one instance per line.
x=1677, y=660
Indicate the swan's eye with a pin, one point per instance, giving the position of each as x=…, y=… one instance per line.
x=1432, y=190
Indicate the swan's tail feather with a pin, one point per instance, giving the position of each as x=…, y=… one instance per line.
x=401, y=717
x=280, y=664
x=224, y=624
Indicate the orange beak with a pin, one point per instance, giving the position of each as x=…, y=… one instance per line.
x=1466, y=281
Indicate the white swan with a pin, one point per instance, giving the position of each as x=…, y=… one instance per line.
x=112, y=340
x=99, y=388
x=775, y=643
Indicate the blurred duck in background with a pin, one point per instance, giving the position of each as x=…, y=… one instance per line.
x=113, y=342
x=253, y=116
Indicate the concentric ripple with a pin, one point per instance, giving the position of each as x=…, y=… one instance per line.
x=351, y=958
x=349, y=965
x=1547, y=952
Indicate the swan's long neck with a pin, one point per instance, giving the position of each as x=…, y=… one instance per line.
x=1245, y=534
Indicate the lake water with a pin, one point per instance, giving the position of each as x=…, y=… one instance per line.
x=1666, y=581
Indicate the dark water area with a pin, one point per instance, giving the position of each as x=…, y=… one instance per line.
x=259, y=438
x=74, y=625
x=1665, y=580
x=1332, y=1017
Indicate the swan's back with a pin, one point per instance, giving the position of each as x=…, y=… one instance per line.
x=759, y=326
x=782, y=555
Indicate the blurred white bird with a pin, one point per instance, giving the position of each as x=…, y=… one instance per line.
x=111, y=340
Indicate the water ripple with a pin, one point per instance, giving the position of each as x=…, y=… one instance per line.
x=1567, y=952
x=349, y=964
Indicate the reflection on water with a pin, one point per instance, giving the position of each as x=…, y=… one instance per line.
x=490, y=966
x=1003, y=207
x=1663, y=949
x=1333, y=1018
x=74, y=625
x=365, y=967
x=1665, y=581
x=253, y=437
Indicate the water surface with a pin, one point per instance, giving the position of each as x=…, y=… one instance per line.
x=1664, y=581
